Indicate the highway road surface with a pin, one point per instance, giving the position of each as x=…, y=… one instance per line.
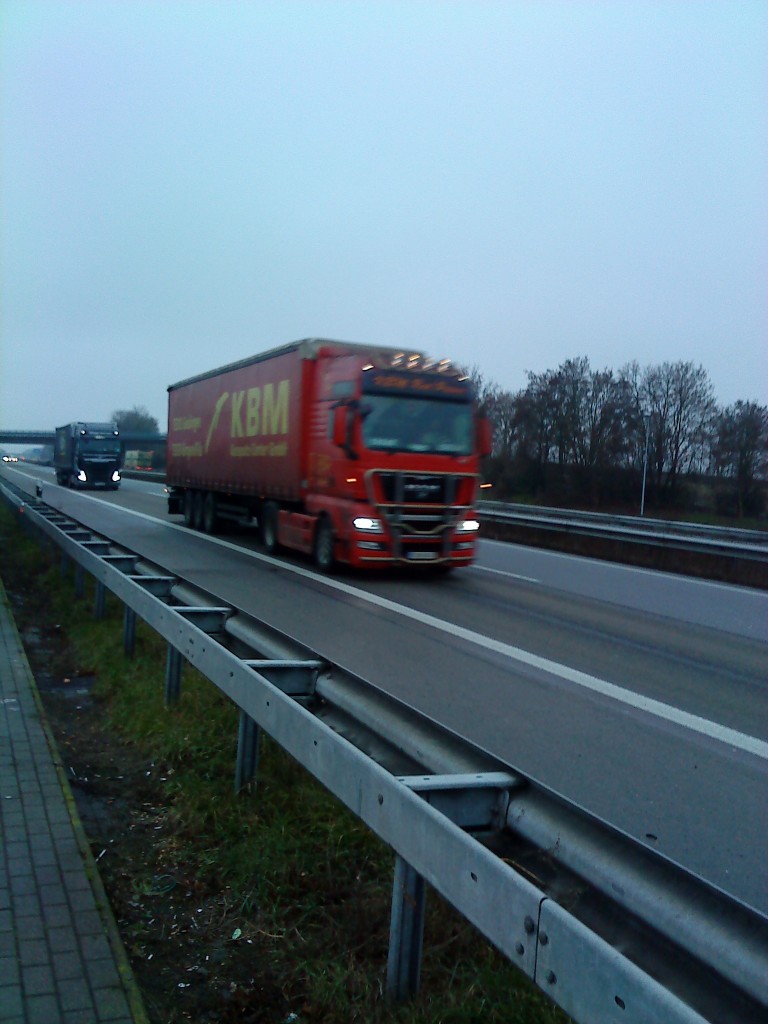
x=638, y=695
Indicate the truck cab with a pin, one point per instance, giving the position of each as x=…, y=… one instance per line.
x=395, y=470
x=88, y=455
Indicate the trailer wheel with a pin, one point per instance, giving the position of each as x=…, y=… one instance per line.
x=324, y=545
x=210, y=516
x=268, y=519
x=197, y=510
x=189, y=508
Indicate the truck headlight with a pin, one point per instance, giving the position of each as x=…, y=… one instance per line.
x=367, y=525
x=116, y=477
x=468, y=526
x=81, y=476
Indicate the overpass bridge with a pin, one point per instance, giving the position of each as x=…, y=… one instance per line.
x=127, y=437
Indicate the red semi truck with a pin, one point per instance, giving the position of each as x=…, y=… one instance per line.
x=351, y=453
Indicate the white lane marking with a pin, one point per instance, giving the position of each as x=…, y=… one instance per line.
x=502, y=572
x=722, y=733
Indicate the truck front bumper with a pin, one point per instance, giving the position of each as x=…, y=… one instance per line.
x=450, y=547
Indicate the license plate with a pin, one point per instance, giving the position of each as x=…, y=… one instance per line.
x=422, y=556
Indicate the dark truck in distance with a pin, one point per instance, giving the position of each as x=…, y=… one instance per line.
x=88, y=455
x=355, y=454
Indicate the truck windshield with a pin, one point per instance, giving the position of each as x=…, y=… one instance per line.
x=102, y=446
x=396, y=423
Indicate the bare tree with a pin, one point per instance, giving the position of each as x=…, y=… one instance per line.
x=136, y=420
x=637, y=420
x=542, y=419
x=677, y=400
x=502, y=412
x=740, y=450
x=498, y=406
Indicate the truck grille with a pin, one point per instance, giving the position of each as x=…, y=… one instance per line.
x=99, y=470
x=420, y=508
x=415, y=488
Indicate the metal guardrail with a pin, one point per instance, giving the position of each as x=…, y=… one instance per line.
x=606, y=927
x=747, y=544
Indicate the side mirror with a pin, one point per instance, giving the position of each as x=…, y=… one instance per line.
x=484, y=436
x=340, y=426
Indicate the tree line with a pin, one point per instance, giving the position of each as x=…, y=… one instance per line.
x=580, y=436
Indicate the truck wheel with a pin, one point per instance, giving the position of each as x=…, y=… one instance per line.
x=324, y=545
x=189, y=508
x=210, y=517
x=269, y=526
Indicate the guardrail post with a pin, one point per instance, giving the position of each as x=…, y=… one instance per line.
x=100, y=600
x=406, y=932
x=129, y=630
x=248, y=744
x=79, y=580
x=173, y=666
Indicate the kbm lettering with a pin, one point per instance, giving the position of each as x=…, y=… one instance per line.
x=186, y=422
x=260, y=410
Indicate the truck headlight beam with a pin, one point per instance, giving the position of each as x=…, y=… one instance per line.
x=468, y=526
x=367, y=525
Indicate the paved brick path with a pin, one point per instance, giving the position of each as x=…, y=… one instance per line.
x=61, y=960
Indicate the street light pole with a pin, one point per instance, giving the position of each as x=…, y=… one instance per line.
x=647, y=421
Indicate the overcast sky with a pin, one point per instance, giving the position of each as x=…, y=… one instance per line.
x=509, y=184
